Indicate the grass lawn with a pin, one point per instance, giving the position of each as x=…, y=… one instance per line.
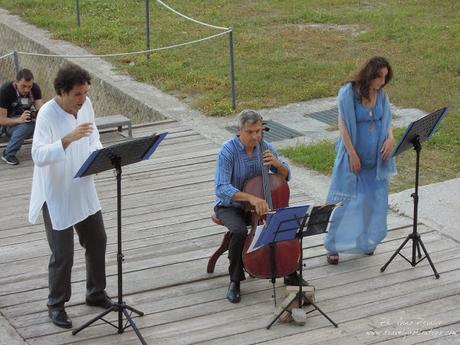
x=285, y=51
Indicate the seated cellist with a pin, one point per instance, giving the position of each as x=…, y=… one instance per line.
x=239, y=160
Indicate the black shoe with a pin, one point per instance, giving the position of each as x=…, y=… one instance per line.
x=11, y=160
x=59, y=318
x=104, y=303
x=294, y=280
x=233, y=293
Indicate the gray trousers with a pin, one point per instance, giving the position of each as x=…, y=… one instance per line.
x=92, y=237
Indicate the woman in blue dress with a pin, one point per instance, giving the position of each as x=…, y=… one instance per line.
x=363, y=164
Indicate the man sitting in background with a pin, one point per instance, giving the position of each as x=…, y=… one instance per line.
x=19, y=102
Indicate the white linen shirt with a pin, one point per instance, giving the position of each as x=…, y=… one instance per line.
x=70, y=200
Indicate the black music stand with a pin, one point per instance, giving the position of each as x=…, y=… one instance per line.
x=114, y=157
x=416, y=133
x=289, y=223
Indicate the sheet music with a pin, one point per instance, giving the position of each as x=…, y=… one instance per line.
x=285, y=224
x=319, y=220
x=259, y=230
x=128, y=152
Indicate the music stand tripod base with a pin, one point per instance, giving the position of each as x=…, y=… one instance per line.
x=315, y=220
x=113, y=157
x=119, y=308
x=416, y=133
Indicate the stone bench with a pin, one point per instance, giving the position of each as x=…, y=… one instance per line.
x=113, y=121
x=103, y=122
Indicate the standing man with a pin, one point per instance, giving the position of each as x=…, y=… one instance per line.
x=65, y=135
x=19, y=103
x=239, y=160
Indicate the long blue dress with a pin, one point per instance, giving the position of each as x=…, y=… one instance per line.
x=361, y=223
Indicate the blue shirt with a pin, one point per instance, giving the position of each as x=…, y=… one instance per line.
x=234, y=168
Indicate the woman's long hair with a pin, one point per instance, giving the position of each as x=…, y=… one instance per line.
x=362, y=80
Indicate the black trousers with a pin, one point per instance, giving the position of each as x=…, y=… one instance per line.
x=235, y=220
x=92, y=237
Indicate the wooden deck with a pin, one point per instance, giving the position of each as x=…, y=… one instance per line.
x=167, y=239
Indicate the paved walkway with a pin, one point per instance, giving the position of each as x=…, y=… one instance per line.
x=439, y=206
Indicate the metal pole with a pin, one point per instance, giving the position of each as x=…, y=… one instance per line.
x=16, y=61
x=147, y=24
x=78, y=12
x=417, y=148
x=119, y=252
x=232, y=68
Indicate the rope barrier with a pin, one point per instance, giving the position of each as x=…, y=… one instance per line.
x=140, y=52
x=122, y=54
x=6, y=55
x=191, y=19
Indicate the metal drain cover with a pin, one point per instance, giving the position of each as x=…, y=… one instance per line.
x=277, y=131
x=329, y=116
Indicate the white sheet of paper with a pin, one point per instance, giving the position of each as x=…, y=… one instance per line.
x=255, y=238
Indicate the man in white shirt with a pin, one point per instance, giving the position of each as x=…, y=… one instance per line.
x=65, y=135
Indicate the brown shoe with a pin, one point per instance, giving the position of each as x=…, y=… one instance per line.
x=332, y=259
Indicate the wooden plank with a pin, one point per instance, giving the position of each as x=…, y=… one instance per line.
x=194, y=263
x=230, y=326
x=457, y=275
x=167, y=245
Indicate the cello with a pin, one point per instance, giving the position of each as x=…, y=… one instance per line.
x=274, y=260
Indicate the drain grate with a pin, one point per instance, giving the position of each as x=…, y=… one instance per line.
x=329, y=116
x=277, y=131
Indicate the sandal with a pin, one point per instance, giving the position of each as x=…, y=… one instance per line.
x=332, y=259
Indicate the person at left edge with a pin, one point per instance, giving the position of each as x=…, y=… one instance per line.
x=65, y=135
x=19, y=102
